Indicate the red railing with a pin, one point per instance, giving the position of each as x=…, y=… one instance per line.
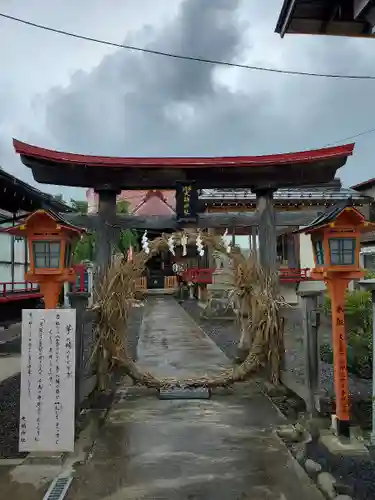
x=287, y=275
x=17, y=287
x=196, y=275
x=293, y=275
x=19, y=290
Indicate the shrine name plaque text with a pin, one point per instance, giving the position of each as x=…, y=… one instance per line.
x=47, y=380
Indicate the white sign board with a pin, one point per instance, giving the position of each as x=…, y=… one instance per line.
x=47, y=380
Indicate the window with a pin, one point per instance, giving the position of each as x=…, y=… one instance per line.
x=319, y=253
x=342, y=251
x=46, y=254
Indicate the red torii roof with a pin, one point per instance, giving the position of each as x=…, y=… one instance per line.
x=116, y=174
x=186, y=162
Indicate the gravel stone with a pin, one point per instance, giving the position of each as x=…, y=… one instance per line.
x=289, y=434
x=327, y=483
x=312, y=467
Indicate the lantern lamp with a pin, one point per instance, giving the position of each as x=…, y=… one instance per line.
x=50, y=243
x=335, y=237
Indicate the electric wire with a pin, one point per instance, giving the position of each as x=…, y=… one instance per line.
x=184, y=57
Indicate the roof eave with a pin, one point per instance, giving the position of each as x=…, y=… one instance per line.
x=28, y=151
x=285, y=17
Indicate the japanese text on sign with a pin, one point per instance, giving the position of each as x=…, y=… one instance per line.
x=186, y=200
x=47, y=380
x=340, y=368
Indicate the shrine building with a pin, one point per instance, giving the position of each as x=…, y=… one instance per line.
x=294, y=251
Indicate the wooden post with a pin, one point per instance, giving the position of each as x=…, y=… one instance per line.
x=311, y=321
x=105, y=233
x=291, y=252
x=267, y=229
x=336, y=288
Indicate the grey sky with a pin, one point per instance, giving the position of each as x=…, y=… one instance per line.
x=77, y=96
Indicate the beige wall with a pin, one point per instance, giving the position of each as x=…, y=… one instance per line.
x=369, y=192
x=306, y=251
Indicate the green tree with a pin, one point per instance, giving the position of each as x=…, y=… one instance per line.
x=85, y=248
x=128, y=237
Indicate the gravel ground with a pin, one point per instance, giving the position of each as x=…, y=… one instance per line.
x=10, y=392
x=9, y=415
x=355, y=475
x=225, y=333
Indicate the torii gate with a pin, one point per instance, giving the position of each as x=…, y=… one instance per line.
x=108, y=176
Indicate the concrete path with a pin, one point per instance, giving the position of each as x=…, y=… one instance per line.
x=221, y=449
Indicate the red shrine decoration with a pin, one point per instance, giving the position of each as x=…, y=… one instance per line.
x=335, y=237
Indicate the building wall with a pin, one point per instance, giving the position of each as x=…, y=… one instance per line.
x=13, y=259
x=306, y=251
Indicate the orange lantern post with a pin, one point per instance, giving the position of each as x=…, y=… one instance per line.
x=335, y=237
x=50, y=241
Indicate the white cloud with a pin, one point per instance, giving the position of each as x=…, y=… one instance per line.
x=72, y=95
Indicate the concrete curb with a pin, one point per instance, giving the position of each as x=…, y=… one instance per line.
x=300, y=471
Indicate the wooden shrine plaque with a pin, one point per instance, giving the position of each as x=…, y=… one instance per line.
x=47, y=380
x=186, y=202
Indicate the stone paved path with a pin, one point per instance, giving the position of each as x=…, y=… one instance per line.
x=221, y=449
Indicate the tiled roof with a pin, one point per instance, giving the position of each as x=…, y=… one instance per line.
x=17, y=195
x=326, y=217
x=286, y=194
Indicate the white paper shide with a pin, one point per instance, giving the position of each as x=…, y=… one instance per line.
x=47, y=380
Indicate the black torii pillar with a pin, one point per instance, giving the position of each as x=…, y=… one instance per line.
x=267, y=229
x=106, y=233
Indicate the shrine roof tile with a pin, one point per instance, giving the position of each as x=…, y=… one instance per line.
x=286, y=194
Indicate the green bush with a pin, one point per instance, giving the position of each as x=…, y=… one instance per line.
x=369, y=275
x=358, y=309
